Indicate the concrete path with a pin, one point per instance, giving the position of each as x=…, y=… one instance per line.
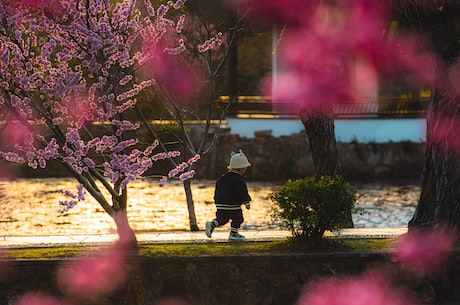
x=179, y=237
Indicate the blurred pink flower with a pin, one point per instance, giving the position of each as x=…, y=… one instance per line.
x=445, y=135
x=171, y=73
x=321, y=52
x=17, y=133
x=94, y=275
x=38, y=298
x=290, y=11
x=5, y=268
x=368, y=289
x=424, y=250
x=51, y=7
x=172, y=301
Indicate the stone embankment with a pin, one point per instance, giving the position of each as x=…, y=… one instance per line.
x=289, y=157
x=224, y=280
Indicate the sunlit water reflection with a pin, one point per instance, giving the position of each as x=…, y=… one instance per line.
x=29, y=207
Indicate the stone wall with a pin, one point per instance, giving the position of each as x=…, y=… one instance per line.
x=289, y=157
x=219, y=280
x=286, y=157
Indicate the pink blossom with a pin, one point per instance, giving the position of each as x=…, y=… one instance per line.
x=180, y=24
x=12, y=157
x=150, y=148
x=39, y=298
x=172, y=301
x=291, y=11
x=211, y=43
x=193, y=159
x=91, y=276
x=368, y=289
x=179, y=169
x=89, y=162
x=163, y=181
x=149, y=8
x=81, y=192
x=174, y=154
x=125, y=79
x=58, y=121
x=445, y=134
x=126, y=105
x=176, y=50
x=187, y=175
x=66, y=205
x=159, y=156
x=179, y=3
x=424, y=250
x=162, y=10
x=172, y=72
x=323, y=43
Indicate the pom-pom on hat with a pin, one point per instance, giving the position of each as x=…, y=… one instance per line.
x=238, y=160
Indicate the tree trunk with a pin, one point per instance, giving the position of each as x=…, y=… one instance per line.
x=439, y=202
x=190, y=205
x=319, y=127
x=321, y=137
x=126, y=234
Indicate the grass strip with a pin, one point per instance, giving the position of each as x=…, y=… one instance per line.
x=213, y=249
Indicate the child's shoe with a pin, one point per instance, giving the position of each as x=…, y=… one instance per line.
x=209, y=227
x=236, y=236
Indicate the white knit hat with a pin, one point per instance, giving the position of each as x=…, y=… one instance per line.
x=238, y=160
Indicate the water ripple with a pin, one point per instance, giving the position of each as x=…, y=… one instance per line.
x=29, y=207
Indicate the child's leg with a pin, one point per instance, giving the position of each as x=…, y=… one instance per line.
x=237, y=220
x=222, y=217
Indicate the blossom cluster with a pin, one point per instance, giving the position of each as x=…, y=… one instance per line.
x=211, y=43
x=74, y=199
x=181, y=171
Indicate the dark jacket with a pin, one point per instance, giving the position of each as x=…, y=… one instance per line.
x=231, y=191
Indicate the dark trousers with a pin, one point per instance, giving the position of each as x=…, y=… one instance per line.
x=236, y=216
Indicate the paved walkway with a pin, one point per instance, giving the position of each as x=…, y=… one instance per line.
x=172, y=237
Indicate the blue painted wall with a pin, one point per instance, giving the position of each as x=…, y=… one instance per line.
x=361, y=130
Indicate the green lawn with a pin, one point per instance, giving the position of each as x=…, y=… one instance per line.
x=224, y=248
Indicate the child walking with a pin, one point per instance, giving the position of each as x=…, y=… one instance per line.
x=230, y=194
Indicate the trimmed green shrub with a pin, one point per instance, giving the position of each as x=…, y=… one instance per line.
x=313, y=205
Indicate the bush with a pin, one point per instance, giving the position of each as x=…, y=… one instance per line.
x=310, y=206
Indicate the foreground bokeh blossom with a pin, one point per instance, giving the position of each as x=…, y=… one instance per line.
x=5, y=267
x=171, y=72
x=93, y=275
x=367, y=289
x=321, y=52
x=424, y=250
x=445, y=136
x=39, y=298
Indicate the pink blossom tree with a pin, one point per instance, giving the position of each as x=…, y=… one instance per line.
x=69, y=74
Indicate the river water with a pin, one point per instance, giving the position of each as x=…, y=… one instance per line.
x=30, y=207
